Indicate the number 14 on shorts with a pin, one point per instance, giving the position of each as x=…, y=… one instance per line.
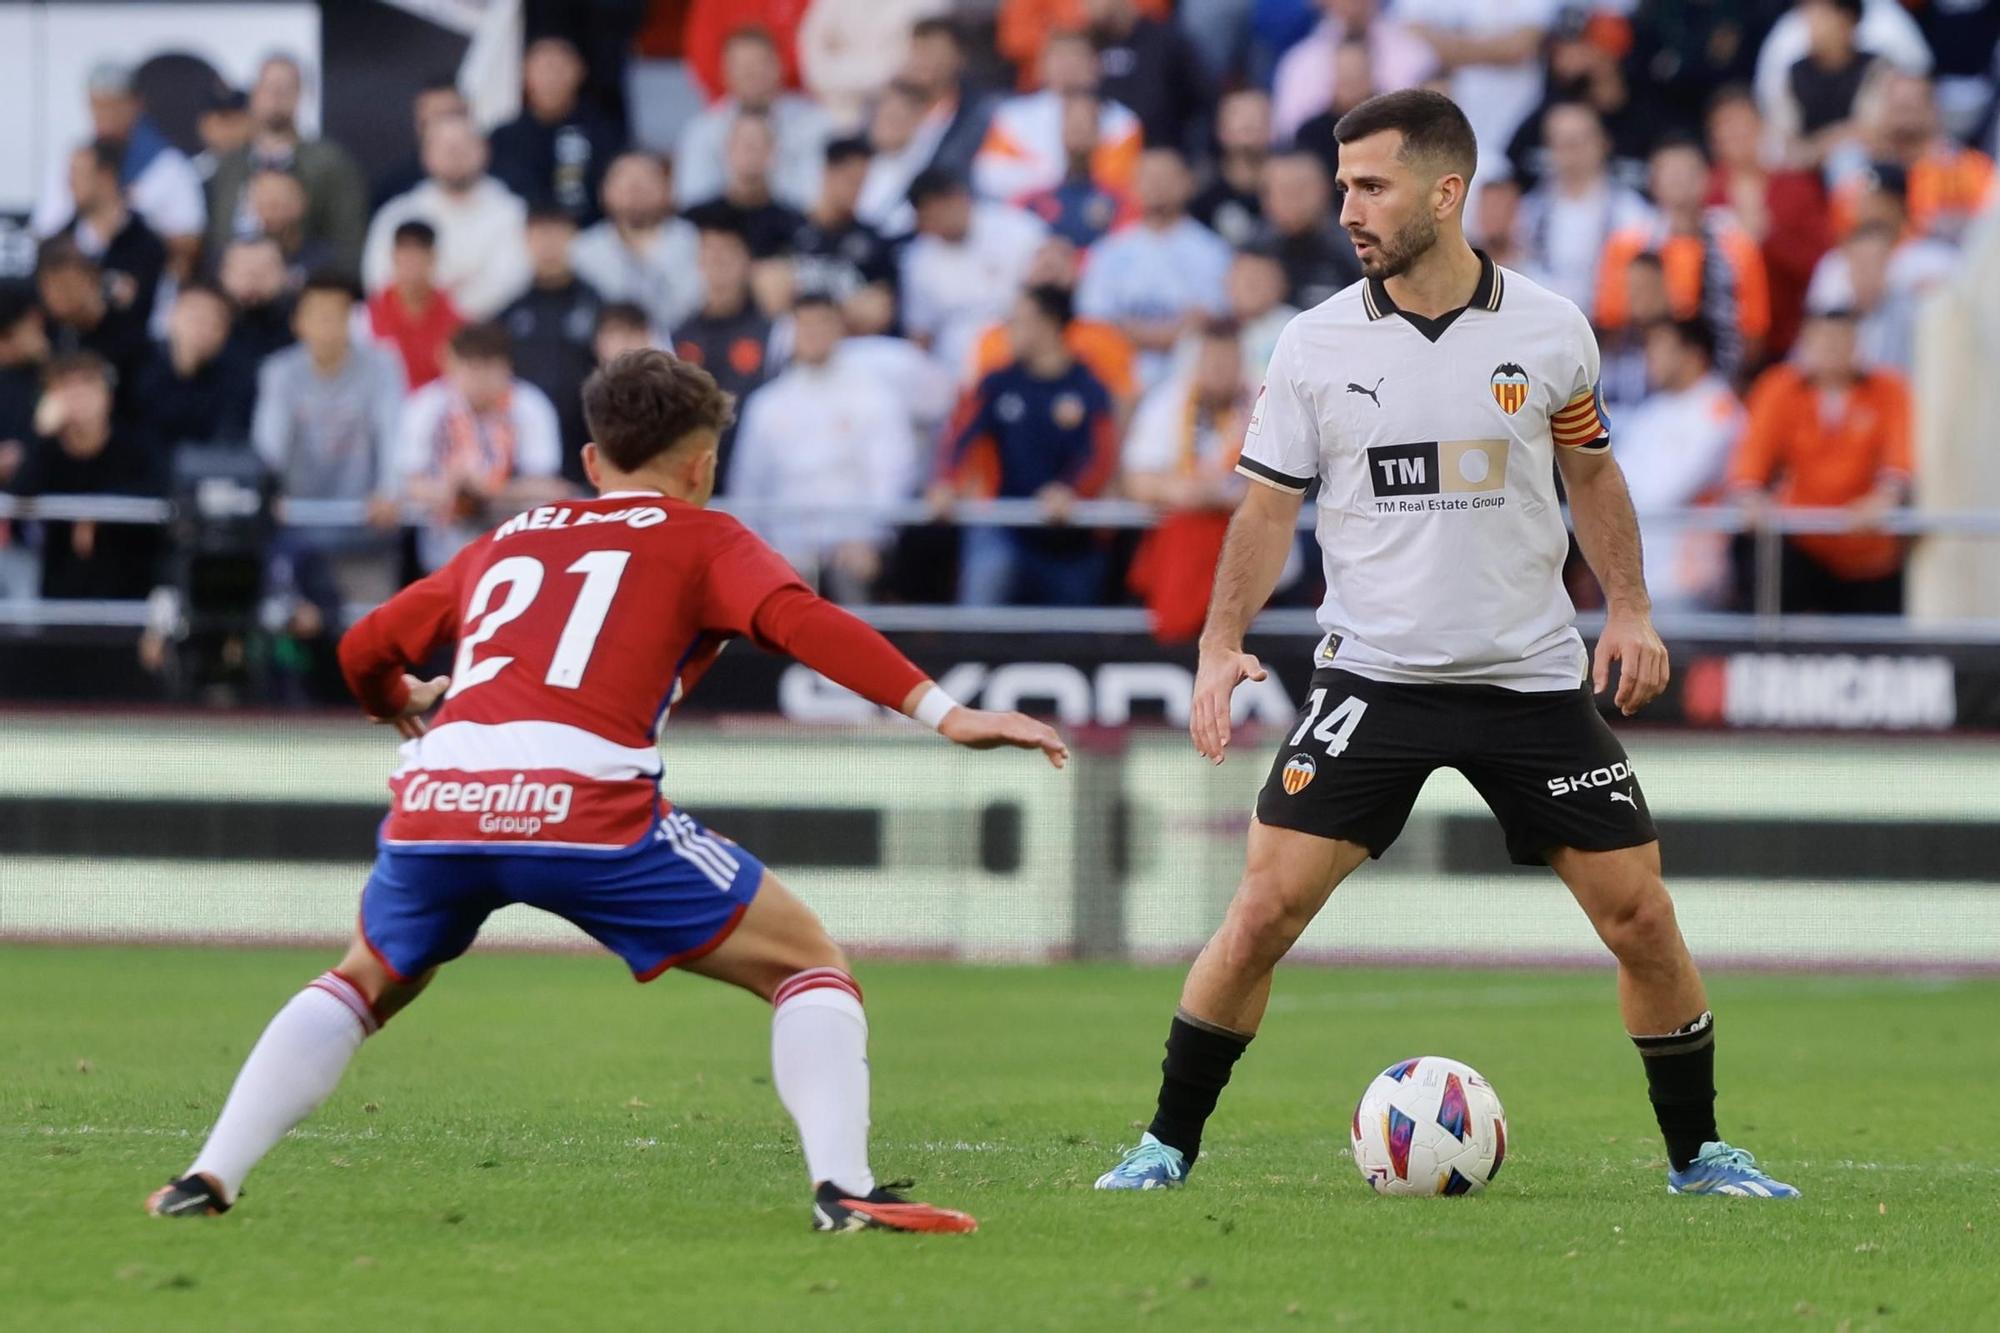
x=1336, y=727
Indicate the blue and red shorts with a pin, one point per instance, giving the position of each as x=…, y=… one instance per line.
x=669, y=898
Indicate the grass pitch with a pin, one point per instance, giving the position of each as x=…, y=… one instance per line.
x=538, y=1143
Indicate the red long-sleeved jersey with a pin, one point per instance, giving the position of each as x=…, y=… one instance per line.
x=578, y=626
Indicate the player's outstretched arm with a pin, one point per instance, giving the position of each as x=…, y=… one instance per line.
x=850, y=652
x=1253, y=556
x=1608, y=532
x=376, y=654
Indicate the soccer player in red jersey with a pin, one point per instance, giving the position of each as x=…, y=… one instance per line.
x=578, y=625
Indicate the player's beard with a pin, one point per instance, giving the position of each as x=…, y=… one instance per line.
x=1390, y=258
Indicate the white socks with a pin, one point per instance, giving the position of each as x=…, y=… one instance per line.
x=291, y=1070
x=819, y=1060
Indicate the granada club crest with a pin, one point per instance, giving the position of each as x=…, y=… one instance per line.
x=1510, y=387
x=1299, y=770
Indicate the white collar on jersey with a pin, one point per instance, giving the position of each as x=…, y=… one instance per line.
x=1486, y=294
x=633, y=495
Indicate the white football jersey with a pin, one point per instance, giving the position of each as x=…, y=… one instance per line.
x=1434, y=442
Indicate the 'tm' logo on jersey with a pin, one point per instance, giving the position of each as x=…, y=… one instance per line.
x=1434, y=467
x=1510, y=387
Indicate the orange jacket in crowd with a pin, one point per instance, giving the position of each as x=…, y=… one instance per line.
x=1681, y=258
x=1813, y=461
x=1023, y=25
x=1103, y=348
x=1949, y=186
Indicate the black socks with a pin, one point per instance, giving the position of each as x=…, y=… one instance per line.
x=1680, y=1079
x=1199, y=1058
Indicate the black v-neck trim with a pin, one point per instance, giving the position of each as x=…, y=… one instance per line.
x=1486, y=295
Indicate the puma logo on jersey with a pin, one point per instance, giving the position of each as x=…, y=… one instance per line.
x=1352, y=387
x=1609, y=776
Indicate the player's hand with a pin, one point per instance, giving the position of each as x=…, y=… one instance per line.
x=1630, y=641
x=424, y=695
x=978, y=729
x=1215, y=680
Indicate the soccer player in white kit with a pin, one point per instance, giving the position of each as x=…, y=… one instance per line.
x=1433, y=403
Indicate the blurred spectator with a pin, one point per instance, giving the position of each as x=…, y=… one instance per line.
x=223, y=125
x=1782, y=208
x=1675, y=448
x=746, y=203
x=729, y=336
x=409, y=310
x=953, y=114
x=1713, y=269
x=1814, y=114
x=81, y=447
x=1230, y=205
x=1156, y=277
x=1681, y=53
x=1309, y=77
x=1042, y=427
x=195, y=389
x=1622, y=375
x=825, y=431
x=482, y=257
x=621, y=327
x=1180, y=458
x=24, y=351
x=1886, y=31
x=328, y=407
x=1826, y=431
x=1881, y=276
x=1566, y=220
x=835, y=254
x=1077, y=208
x=1947, y=183
x=963, y=268
x=604, y=34
x=1024, y=28
x=1102, y=347
x=753, y=81
x=437, y=100
x=556, y=151
x=158, y=178
x=641, y=252
x=1300, y=228
x=83, y=315
x=1495, y=224
x=252, y=276
x=476, y=444
x=276, y=202
x=551, y=326
x=131, y=257
x=1145, y=63
x=1586, y=66
x=1023, y=150
x=1354, y=83
x=1964, y=35
x=1255, y=289
x=849, y=50
x=334, y=213
x=903, y=144
x=1492, y=52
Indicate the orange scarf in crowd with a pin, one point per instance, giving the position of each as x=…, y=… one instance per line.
x=1174, y=568
x=475, y=450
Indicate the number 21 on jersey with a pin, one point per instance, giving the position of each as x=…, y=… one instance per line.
x=521, y=576
x=1335, y=728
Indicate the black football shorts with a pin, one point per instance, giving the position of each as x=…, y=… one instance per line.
x=1546, y=762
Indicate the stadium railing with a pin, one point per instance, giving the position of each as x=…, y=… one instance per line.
x=1766, y=527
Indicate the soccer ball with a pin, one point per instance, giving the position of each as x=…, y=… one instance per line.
x=1429, y=1126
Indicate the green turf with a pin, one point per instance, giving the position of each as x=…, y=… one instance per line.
x=541, y=1144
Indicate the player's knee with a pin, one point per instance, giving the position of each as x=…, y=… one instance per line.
x=1264, y=921
x=1642, y=929
x=366, y=973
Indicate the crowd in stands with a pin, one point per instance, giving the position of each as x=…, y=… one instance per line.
x=1042, y=257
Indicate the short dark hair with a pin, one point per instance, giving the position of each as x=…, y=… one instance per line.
x=415, y=232
x=1221, y=328
x=933, y=183
x=1677, y=141
x=847, y=149
x=1648, y=259
x=62, y=252
x=1431, y=124
x=937, y=26
x=1851, y=8
x=483, y=342
x=547, y=212
x=1728, y=95
x=816, y=296
x=645, y=403
x=755, y=33
x=1696, y=333
x=623, y=315
x=105, y=155
x=83, y=361
x=331, y=281
x=204, y=287
x=1055, y=303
